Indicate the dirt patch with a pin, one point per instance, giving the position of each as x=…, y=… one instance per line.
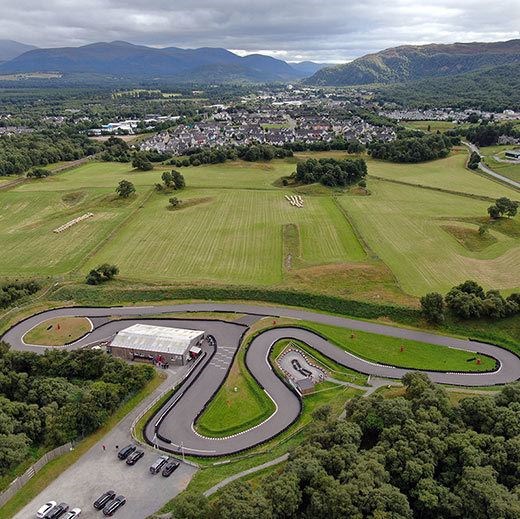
x=469, y=238
x=73, y=198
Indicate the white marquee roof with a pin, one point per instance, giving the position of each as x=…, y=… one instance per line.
x=156, y=338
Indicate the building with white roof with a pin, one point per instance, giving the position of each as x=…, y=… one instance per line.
x=157, y=344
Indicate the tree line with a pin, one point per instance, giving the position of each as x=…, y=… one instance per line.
x=331, y=172
x=416, y=455
x=469, y=301
x=50, y=399
x=411, y=147
x=20, y=153
x=12, y=292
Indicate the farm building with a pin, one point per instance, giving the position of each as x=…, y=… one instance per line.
x=157, y=344
x=513, y=154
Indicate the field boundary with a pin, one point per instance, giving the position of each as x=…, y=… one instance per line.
x=432, y=188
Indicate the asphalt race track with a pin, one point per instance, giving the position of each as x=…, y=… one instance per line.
x=172, y=427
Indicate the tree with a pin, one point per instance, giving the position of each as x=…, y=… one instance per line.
x=474, y=160
x=178, y=180
x=167, y=179
x=503, y=206
x=38, y=173
x=104, y=272
x=174, y=202
x=125, y=189
x=141, y=162
x=432, y=306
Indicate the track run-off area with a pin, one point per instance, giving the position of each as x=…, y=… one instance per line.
x=172, y=427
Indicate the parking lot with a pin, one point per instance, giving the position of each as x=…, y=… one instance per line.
x=100, y=470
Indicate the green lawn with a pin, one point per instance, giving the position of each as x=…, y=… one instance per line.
x=403, y=225
x=58, y=331
x=415, y=354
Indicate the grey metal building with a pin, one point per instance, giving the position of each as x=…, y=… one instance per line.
x=157, y=344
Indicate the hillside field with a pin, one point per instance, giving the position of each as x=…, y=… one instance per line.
x=236, y=227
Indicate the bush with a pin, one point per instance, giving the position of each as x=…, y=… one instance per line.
x=101, y=274
x=432, y=306
x=38, y=173
x=12, y=292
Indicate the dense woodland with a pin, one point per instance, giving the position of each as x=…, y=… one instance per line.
x=331, y=172
x=12, y=292
x=413, y=147
x=415, y=456
x=494, y=89
x=19, y=153
x=47, y=400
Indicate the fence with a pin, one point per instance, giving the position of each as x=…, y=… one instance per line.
x=20, y=481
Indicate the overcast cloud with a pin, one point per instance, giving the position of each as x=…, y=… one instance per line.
x=326, y=30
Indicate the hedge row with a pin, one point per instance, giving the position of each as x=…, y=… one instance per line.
x=324, y=303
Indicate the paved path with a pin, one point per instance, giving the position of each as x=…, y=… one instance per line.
x=239, y=475
x=173, y=425
x=486, y=169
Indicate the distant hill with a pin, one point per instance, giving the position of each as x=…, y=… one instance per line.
x=10, y=49
x=493, y=89
x=127, y=60
x=307, y=67
x=411, y=62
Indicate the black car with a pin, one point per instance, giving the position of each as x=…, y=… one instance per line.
x=134, y=457
x=126, y=451
x=114, y=505
x=57, y=511
x=104, y=499
x=170, y=467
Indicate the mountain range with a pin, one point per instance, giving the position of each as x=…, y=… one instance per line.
x=414, y=62
x=120, y=58
x=10, y=49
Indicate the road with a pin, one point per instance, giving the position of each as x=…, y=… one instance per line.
x=486, y=169
x=173, y=424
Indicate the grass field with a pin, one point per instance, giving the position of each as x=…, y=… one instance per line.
x=232, y=229
x=58, y=332
x=449, y=173
x=431, y=126
x=403, y=225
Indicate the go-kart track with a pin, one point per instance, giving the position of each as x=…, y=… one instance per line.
x=172, y=428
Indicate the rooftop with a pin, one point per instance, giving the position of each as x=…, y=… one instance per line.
x=158, y=338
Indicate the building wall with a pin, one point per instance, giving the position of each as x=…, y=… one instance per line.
x=128, y=354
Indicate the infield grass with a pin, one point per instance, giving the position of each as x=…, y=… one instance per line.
x=58, y=331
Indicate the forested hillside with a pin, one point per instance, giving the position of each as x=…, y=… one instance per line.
x=412, y=62
x=493, y=89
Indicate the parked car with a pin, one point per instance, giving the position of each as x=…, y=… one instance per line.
x=114, y=505
x=134, y=457
x=57, y=511
x=104, y=499
x=126, y=451
x=159, y=463
x=72, y=514
x=170, y=467
x=40, y=514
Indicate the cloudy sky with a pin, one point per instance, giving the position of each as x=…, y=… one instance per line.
x=321, y=30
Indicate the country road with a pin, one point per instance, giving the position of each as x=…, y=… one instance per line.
x=486, y=169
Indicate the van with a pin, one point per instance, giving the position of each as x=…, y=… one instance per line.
x=159, y=463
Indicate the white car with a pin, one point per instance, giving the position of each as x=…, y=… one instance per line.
x=71, y=514
x=44, y=509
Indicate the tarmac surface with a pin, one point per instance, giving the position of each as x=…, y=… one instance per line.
x=172, y=427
